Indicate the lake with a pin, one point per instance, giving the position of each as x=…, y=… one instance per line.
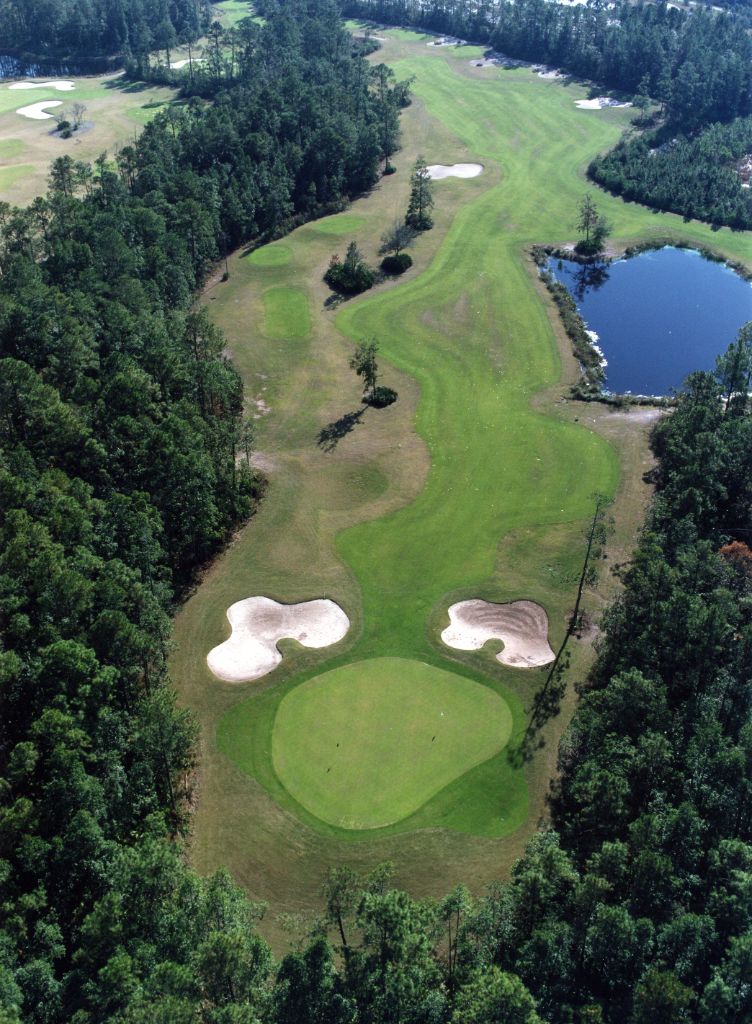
x=658, y=315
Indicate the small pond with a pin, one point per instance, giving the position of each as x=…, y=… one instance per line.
x=659, y=315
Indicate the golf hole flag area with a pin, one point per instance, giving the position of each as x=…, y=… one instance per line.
x=366, y=745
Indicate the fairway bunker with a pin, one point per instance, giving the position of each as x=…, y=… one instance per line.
x=599, y=103
x=259, y=623
x=440, y=171
x=521, y=625
x=59, y=84
x=38, y=111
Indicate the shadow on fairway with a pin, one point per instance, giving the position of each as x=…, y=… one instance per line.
x=330, y=435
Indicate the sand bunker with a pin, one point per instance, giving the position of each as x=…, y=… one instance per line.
x=599, y=103
x=177, y=65
x=258, y=624
x=521, y=625
x=37, y=111
x=440, y=171
x=60, y=84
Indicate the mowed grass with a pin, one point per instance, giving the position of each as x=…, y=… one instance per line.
x=338, y=224
x=477, y=482
x=286, y=313
x=273, y=255
x=368, y=744
x=115, y=112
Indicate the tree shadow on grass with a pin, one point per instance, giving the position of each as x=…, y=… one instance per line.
x=330, y=435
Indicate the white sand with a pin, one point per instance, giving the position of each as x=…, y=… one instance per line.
x=258, y=623
x=599, y=103
x=440, y=171
x=178, y=64
x=521, y=625
x=60, y=84
x=36, y=111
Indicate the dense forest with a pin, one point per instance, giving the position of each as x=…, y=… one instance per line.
x=696, y=177
x=81, y=29
x=696, y=65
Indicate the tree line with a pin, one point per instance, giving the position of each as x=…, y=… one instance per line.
x=694, y=176
x=79, y=30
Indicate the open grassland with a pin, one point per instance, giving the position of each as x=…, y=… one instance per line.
x=115, y=112
x=476, y=483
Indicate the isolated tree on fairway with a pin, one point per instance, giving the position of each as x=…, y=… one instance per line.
x=593, y=225
x=421, y=198
x=363, y=361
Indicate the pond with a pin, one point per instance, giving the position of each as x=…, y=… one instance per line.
x=658, y=315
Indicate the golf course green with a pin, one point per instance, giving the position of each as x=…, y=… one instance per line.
x=368, y=744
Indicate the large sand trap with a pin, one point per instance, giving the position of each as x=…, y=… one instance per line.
x=37, y=111
x=599, y=103
x=440, y=171
x=521, y=625
x=258, y=623
x=60, y=84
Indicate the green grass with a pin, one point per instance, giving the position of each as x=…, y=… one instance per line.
x=10, y=148
x=366, y=745
x=10, y=175
x=286, y=314
x=274, y=255
x=338, y=224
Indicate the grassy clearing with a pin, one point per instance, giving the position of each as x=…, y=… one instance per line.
x=114, y=111
x=339, y=224
x=286, y=313
x=475, y=483
x=274, y=255
x=368, y=744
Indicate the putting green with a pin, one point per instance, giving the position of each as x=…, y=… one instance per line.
x=286, y=313
x=366, y=745
x=274, y=255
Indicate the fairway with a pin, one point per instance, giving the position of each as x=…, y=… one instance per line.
x=477, y=484
x=366, y=745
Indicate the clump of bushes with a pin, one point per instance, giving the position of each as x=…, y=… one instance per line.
x=397, y=263
x=381, y=396
x=351, y=275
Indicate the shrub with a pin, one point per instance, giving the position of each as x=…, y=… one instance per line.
x=351, y=275
x=397, y=264
x=382, y=396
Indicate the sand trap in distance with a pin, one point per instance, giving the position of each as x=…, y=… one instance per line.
x=599, y=103
x=521, y=625
x=37, y=111
x=258, y=623
x=60, y=84
x=440, y=171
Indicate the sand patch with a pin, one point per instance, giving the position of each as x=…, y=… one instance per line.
x=37, y=111
x=440, y=171
x=521, y=625
x=178, y=65
x=259, y=623
x=59, y=84
x=599, y=103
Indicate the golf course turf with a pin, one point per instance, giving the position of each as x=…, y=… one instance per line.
x=367, y=744
x=477, y=483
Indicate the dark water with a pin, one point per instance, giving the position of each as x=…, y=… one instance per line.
x=18, y=67
x=659, y=315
